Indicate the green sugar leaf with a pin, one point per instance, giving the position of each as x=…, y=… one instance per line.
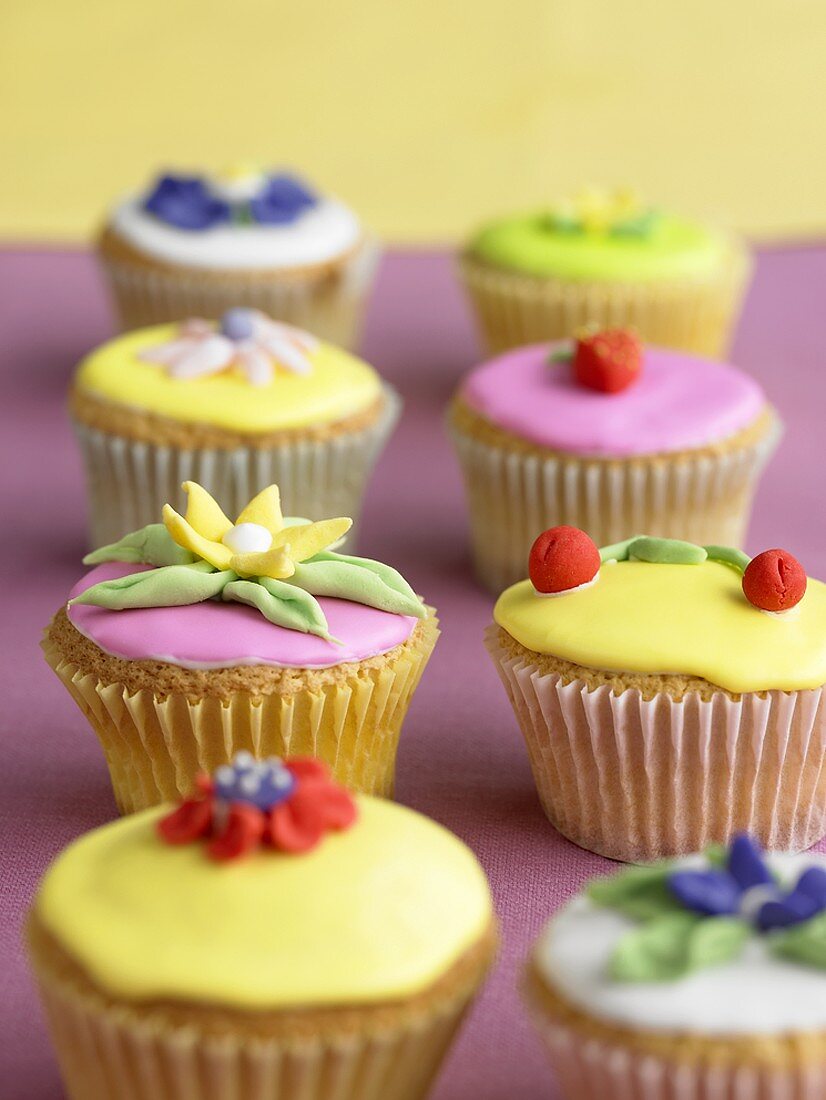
x=168, y=586
x=282, y=603
x=675, y=944
x=150, y=545
x=618, y=551
x=358, y=579
x=638, y=892
x=804, y=943
x=666, y=551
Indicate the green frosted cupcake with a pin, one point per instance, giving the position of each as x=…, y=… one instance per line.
x=605, y=258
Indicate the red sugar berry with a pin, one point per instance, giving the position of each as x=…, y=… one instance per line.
x=562, y=558
x=608, y=361
x=774, y=581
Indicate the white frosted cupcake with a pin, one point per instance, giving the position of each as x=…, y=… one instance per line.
x=197, y=245
x=696, y=979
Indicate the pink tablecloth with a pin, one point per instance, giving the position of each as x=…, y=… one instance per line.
x=462, y=760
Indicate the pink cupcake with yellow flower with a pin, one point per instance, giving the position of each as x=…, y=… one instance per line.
x=195, y=638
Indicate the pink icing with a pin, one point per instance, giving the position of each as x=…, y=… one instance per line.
x=680, y=401
x=215, y=634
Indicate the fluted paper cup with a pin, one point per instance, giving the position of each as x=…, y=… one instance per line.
x=514, y=495
x=156, y=745
x=513, y=309
x=111, y=1051
x=591, y=1066
x=638, y=779
x=129, y=481
x=327, y=300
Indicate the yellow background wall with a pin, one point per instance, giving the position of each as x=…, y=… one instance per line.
x=427, y=115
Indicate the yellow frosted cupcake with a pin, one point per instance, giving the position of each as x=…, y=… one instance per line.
x=605, y=258
x=198, y=245
x=670, y=695
x=236, y=406
x=195, y=638
x=272, y=937
x=698, y=978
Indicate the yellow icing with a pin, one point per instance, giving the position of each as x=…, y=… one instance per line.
x=376, y=912
x=689, y=619
x=339, y=386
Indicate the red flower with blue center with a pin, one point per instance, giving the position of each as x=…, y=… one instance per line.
x=286, y=804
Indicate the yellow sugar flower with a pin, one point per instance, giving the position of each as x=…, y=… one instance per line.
x=258, y=544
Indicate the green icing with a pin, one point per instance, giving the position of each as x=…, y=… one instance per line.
x=667, y=247
x=179, y=580
x=151, y=545
x=804, y=943
x=675, y=944
x=672, y=552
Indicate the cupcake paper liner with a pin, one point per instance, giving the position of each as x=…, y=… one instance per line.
x=110, y=1051
x=513, y=496
x=329, y=303
x=513, y=309
x=155, y=746
x=588, y=1068
x=636, y=780
x=129, y=481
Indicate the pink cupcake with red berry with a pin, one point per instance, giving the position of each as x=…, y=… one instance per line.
x=610, y=436
x=670, y=694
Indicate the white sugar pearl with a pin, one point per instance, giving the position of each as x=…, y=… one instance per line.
x=250, y=783
x=243, y=759
x=225, y=776
x=247, y=538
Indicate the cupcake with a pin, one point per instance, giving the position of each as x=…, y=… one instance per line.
x=670, y=695
x=195, y=638
x=270, y=938
x=196, y=246
x=610, y=436
x=237, y=406
x=605, y=258
x=699, y=978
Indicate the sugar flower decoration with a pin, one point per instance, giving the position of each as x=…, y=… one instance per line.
x=694, y=914
x=275, y=564
x=258, y=544
x=241, y=196
x=245, y=339
x=595, y=210
x=287, y=805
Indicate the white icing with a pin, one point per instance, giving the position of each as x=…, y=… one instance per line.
x=248, y=538
x=758, y=994
x=568, y=591
x=321, y=233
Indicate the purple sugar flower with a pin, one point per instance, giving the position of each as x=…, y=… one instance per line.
x=186, y=203
x=719, y=892
x=282, y=199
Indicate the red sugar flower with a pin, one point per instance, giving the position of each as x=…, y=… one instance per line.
x=289, y=805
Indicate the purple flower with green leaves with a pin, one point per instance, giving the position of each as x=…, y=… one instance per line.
x=745, y=887
x=186, y=203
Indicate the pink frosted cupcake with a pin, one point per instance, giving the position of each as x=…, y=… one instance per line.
x=608, y=436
